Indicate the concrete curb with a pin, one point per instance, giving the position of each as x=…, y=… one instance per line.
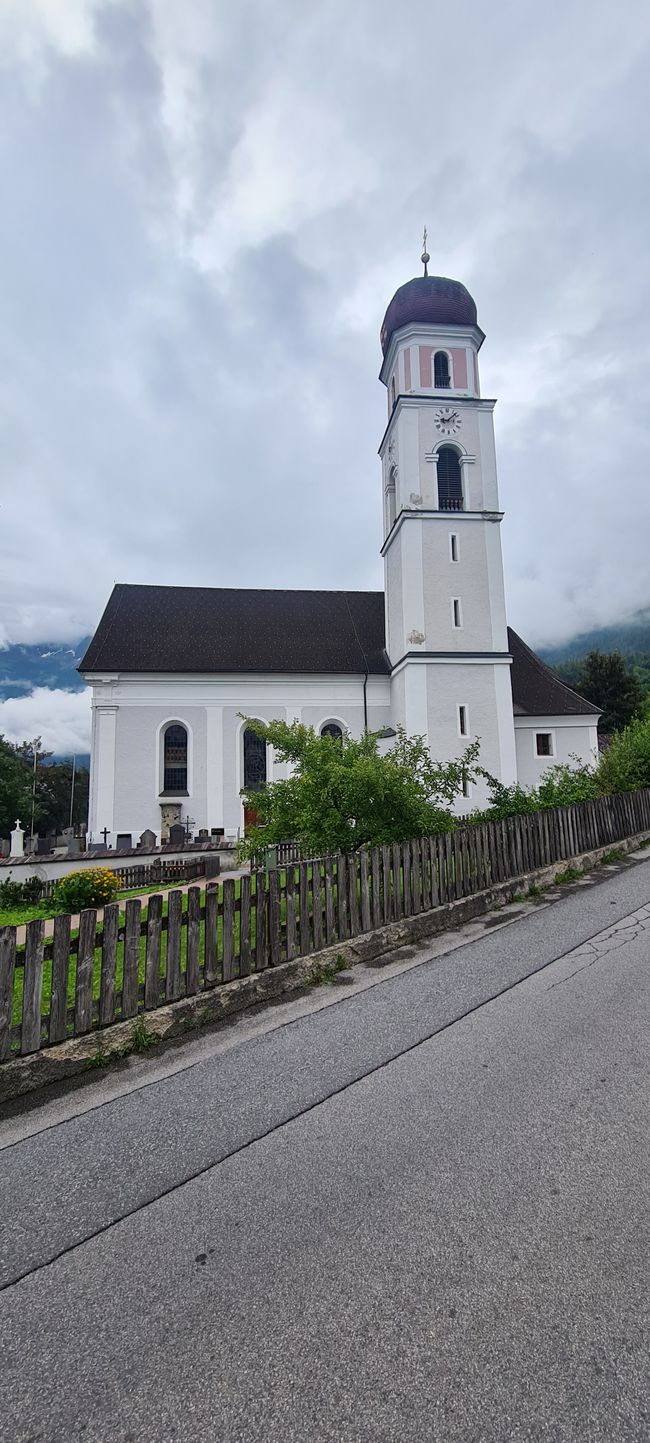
x=52, y=1064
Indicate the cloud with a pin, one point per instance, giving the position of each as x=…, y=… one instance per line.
x=209, y=210
x=60, y=718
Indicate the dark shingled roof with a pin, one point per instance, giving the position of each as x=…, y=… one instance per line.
x=536, y=690
x=214, y=630
x=210, y=629
x=428, y=300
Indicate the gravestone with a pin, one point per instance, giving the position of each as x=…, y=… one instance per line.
x=124, y=842
x=73, y=846
x=147, y=838
x=44, y=845
x=177, y=835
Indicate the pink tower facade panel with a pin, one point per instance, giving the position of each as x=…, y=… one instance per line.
x=425, y=365
x=459, y=363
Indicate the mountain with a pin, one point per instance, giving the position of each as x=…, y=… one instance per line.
x=631, y=638
x=48, y=664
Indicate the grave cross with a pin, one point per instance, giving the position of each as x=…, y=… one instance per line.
x=104, y=834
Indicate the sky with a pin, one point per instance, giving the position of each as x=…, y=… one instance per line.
x=205, y=210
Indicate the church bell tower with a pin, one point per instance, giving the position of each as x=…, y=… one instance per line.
x=446, y=630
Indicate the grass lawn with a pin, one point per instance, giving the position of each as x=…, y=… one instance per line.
x=16, y=916
x=97, y=960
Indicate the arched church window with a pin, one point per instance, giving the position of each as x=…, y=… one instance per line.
x=441, y=377
x=175, y=758
x=332, y=729
x=254, y=762
x=450, y=484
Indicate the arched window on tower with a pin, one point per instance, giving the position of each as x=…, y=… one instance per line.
x=450, y=483
x=254, y=762
x=332, y=729
x=441, y=377
x=175, y=758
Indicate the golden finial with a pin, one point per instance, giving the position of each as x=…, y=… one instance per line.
x=425, y=257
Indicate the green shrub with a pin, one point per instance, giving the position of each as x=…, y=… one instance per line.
x=93, y=887
x=21, y=894
x=560, y=786
x=564, y=784
x=625, y=767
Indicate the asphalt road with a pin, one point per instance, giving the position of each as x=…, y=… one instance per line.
x=421, y=1212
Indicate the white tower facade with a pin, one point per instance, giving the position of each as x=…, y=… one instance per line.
x=446, y=631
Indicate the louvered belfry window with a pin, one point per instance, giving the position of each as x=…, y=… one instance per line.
x=175, y=759
x=450, y=485
x=254, y=762
x=441, y=377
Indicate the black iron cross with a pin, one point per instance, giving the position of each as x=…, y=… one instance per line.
x=105, y=835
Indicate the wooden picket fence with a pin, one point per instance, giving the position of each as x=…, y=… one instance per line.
x=147, y=955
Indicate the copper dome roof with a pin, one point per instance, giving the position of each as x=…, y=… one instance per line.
x=428, y=300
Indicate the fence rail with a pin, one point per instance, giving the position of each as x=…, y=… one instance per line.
x=136, y=960
x=159, y=873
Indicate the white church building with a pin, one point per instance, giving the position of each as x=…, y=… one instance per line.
x=173, y=668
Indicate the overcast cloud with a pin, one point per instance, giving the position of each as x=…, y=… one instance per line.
x=206, y=209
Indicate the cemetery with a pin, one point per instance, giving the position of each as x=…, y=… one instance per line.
x=140, y=862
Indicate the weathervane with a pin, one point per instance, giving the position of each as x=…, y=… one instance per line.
x=425, y=257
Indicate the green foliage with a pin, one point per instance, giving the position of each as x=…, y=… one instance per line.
x=342, y=794
x=21, y=894
x=605, y=679
x=570, y=874
x=92, y=887
x=625, y=766
x=564, y=784
x=560, y=786
x=52, y=792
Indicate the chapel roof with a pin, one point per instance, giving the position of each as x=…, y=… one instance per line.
x=183, y=629
x=536, y=690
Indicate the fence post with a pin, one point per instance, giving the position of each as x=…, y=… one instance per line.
x=60, y=972
x=152, y=958
x=110, y=928
x=7, y=971
x=244, y=927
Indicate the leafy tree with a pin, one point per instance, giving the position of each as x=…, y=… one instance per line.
x=53, y=788
x=15, y=788
x=342, y=794
x=625, y=766
x=605, y=679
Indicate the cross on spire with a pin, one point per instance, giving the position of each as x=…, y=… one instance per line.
x=425, y=257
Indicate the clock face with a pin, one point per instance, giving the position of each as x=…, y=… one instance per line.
x=447, y=421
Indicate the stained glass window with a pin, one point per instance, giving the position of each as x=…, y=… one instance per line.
x=254, y=762
x=175, y=759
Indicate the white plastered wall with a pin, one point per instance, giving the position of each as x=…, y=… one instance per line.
x=572, y=737
x=134, y=710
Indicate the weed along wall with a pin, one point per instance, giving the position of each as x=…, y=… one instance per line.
x=202, y=954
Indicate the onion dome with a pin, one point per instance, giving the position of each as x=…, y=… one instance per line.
x=428, y=301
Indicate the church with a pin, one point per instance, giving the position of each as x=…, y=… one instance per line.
x=174, y=669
